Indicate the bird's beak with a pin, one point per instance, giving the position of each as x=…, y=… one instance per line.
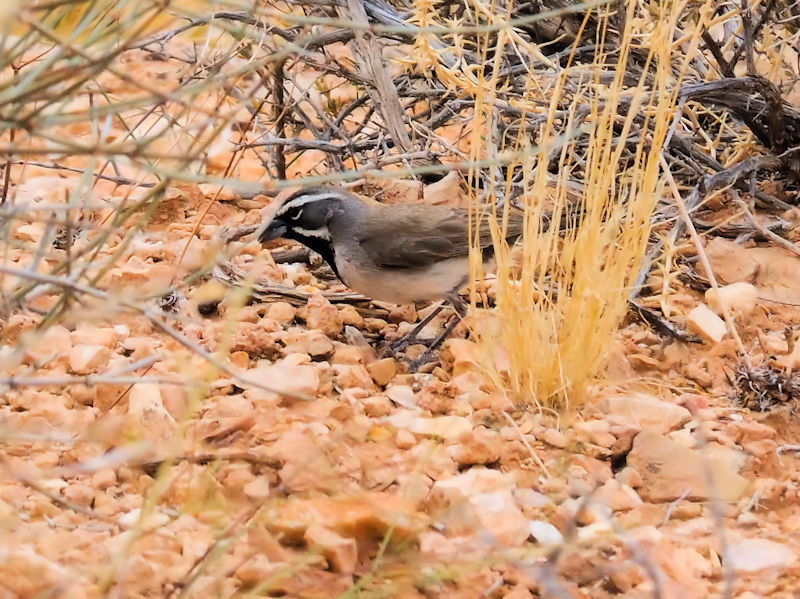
x=274, y=230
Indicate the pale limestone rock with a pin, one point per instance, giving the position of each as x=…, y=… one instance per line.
x=376, y=406
x=256, y=570
x=340, y=552
x=438, y=546
x=25, y=573
x=375, y=325
x=545, y=533
x=466, y=382
x=777, y=278
x=90, y=335
x=55, y=341
x=320, y=314
x=738, y=298
x=459, y=488
x=465, y=355
x=644, y=412
x=289, y=376
x=313, y=342
x=480, y=446
x=669, y=471
x=730, y=261
x=592, y=513
x=402, y=395
x=555, y=438
x=617, y=496
x=350, y=316
x=498, y=514
x=30, y=232
x=446, y=427
x=481, y=502
x=732, y=456
x=348, y=353
x=353, y=375
x=403, y=313
x=449, y=428
x=595, y=432
x=103, y=479
x=282, y=312
x=373, y=514
x=257, y=489
x=446, y=191
x=134, y=517
x=600, y=528
x=382, y=371
x=532, y=501
x=88, y=359
x=79, y=494
x=748, y=431
x=755, y=555
x=704, y=322
x=405, y=439
x=146, y=411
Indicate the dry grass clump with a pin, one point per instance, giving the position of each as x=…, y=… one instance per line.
x=562, y=294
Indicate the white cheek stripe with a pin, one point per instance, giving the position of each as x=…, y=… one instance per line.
x=321, y=233
x=303, y=200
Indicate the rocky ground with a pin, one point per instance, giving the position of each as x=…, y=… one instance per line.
x=204, y=446
x=185, y=480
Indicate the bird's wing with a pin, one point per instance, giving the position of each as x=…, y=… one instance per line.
x=418, y=236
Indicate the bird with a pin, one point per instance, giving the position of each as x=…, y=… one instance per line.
x=398, y=253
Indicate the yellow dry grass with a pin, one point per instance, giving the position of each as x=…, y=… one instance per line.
x=562, y=295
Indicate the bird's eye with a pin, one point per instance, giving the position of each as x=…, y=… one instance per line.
x=296, y=216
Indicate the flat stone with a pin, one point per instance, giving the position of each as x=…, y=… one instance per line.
x=402, y=395
x=738, y=298
x=669, y=471
x=481, y=502
x=340, y=552
x=475, y=480
x=449, y=428
x=320, y=314
x=88, y=359
x=617, y=496
x=315, y=343
x=545, y=533
x=704, y=322
x=555, y=438
x=730, y=261
x=777, y=278
x=147, y=413
x=382, y=371
x=755, y=555
x=370, y=515
x=285, y=377
x=498, y=514
x=645, y=412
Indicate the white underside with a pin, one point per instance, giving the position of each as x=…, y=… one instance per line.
x=407, y=286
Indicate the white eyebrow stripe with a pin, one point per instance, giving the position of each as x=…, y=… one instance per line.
x=321, y=233
x=303, y=200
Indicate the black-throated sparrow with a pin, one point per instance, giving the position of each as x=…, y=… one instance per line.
x=398, y=253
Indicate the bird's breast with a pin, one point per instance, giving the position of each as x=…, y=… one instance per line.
x=405, y=285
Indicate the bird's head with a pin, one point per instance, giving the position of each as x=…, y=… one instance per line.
x=305, y=216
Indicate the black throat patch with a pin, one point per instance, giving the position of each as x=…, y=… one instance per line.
x=322, y=246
